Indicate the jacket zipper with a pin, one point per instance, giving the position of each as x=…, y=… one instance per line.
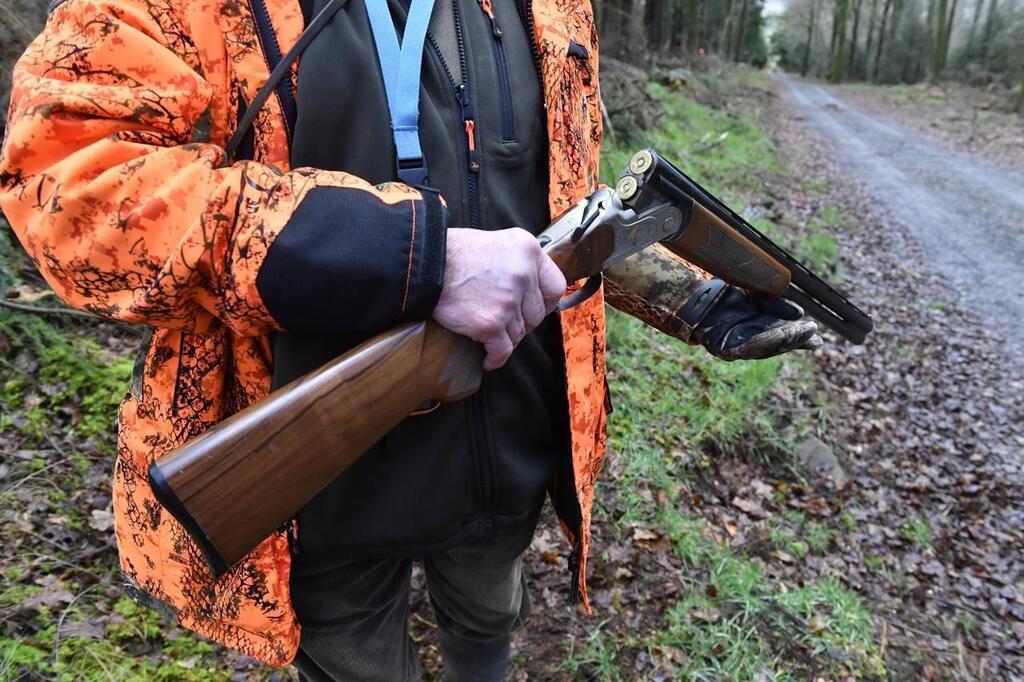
x=473, y=195
x=574, y=573
x=462, y=94
x=465, y=101
x=273, y=55
x=508, y=119
x=525, y=8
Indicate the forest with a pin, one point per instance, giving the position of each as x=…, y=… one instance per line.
x=979, y=42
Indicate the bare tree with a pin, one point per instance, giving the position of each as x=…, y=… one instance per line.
x=839, y=18
x=881, y=40
x=810, y=38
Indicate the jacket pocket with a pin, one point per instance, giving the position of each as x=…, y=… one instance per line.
x=581, y=116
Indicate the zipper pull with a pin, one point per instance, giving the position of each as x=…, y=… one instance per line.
x=488, y=9
x=474, y=163
x=462, y=92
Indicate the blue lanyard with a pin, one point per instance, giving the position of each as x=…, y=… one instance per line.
x=401, y=67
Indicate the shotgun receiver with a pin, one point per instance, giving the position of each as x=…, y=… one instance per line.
x=234, y=485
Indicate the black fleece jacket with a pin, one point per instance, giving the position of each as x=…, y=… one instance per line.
x=484, y=461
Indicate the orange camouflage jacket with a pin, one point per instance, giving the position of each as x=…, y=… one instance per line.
x=113, y=176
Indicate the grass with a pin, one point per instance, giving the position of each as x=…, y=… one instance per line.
x=131, y=645
x=919, y=532
x=71, y=372
x=674, y=404
x=69, y=384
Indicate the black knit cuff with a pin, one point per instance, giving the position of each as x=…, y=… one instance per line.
x=348, y=263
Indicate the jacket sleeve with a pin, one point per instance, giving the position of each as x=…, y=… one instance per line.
x=107, y=180
x=653, y=286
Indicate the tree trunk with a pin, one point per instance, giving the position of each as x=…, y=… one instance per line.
x=871, y=35
x=897, y=13
x=853, y=38
x=987, y=40
x=936, y=21
x=636, y=45
x=810, y=38
x=1019, y=106
x=978, y=5
x=724, y=37
x=881, y=40
x=741, y=31
x=947, y=33
x=839, y=40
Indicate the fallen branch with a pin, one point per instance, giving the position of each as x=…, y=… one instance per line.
x=607, y=121
x=41, y=310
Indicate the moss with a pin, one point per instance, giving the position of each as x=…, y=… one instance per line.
x=76, y=381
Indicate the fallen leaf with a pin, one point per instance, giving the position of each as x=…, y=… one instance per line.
x=749, y=508
x=101, y=520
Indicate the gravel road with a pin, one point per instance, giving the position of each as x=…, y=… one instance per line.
x=967, y=215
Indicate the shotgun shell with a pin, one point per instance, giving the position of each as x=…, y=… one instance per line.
x=641, y=162
x=626, y=187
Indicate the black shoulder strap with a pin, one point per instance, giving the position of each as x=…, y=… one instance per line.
x=279, y=72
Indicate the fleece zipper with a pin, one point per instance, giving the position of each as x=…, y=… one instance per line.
x=474, y=403
x=508, y=118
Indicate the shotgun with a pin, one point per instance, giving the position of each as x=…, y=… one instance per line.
x=237, y=483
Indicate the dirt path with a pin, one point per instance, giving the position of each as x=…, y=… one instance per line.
x=929, y=418
x=966, y=213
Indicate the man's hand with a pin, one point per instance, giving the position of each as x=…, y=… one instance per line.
x=737, y=325
x=498, y=286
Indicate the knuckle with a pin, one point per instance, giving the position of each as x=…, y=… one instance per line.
x=491, y=325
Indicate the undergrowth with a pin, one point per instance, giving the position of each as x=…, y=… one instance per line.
x=675, y=406
x=63, y=615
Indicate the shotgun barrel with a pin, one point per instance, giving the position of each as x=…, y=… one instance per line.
x=652, y=179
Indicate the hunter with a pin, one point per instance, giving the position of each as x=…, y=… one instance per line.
x=380, y=181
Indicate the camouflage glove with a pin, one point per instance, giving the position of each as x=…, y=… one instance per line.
x=734, y=324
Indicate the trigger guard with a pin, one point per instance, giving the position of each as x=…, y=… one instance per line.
x=588, y=289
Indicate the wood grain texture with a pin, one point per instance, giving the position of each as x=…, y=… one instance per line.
x=242, y=479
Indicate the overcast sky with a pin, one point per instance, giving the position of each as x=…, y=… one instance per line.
x=774, y=6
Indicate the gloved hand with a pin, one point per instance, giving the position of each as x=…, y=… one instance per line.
x=734, y=324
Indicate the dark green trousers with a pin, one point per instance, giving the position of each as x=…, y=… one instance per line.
x=354, y=615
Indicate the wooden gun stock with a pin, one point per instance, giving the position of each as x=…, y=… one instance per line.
x=236, y=484
x=227, y=486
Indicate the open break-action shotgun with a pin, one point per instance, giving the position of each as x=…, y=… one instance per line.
x=236, y=484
